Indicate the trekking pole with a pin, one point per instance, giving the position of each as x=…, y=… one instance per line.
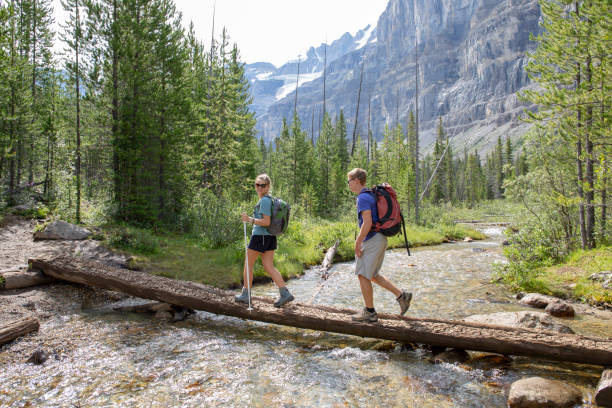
x=246, y=265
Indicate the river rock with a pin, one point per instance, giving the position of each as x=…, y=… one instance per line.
x=62, y=230
x=558, y=308
x=603, y=396
x=538, y=392
x=451, y=356
x=604, y=277
x=38, y=357
x=536, y=300
x=523, y=319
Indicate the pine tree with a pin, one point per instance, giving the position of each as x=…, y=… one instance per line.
x=566, y=66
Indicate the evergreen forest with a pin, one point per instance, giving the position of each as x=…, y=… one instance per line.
x=140, y=123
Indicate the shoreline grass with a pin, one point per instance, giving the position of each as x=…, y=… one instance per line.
x=303, y=245
x=570, y=279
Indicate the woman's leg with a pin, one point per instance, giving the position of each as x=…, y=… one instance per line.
x=267, y=259
x=251, y=258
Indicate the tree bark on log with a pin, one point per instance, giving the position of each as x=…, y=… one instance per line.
x=603, y=396
x=25, y=279
x=329, y=259
x=17, y=328
x=437, y=332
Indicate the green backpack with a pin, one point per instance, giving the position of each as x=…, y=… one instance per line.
x=279, y=220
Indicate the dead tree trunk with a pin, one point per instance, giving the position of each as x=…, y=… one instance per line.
x=17, y=328
x=329, y=259
x=25, y=279
x=438, y=332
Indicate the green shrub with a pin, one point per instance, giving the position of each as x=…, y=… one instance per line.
x=134, y=239
x=530, y=250
x=38, y=212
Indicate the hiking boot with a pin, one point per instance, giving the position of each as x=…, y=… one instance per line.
x=404, y=301
x=285, y=297
x=243, y=297
x=365, y=316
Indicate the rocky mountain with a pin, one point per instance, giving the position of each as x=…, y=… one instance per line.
x=472, y=58
x=270, y=84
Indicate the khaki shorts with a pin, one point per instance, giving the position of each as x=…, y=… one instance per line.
x=369, y=263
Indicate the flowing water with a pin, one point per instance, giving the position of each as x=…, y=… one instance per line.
x=118, y=359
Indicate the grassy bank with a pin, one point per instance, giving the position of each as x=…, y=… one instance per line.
x=303, y=245
x=570, y=279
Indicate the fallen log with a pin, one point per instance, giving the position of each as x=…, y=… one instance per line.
x=17, y=328
x=329, y=259
x=23, y=279
x=436, y=332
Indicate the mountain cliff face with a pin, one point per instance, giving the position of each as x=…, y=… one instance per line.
x=471, y=57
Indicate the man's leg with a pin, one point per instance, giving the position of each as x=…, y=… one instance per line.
x=366, y=291
x=387, y=284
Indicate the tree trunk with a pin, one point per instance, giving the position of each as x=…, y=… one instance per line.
x=25, y=279
x=590, y=177
x=17, y=328
x=357, y=110
x=604, y=198
x=416, y=131
x=329, y=258
x=458, y=334
x=77, y=169
x=117, y=177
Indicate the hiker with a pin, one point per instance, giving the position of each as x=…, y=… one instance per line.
x=370, y=249
x=262, y=244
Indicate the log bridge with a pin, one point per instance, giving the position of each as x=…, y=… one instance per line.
x=437, y=332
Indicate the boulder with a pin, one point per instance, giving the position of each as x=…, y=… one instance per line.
x=603, y=395
x=523, y=319
x=538, y=392
x=558, y=308
x=536, y=300
x=62, y=230
x=604, y=277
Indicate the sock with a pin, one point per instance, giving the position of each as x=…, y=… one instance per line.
x=370, y=309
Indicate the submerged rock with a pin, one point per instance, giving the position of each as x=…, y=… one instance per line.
x=451, y=356
x=603, y=397
x=536, y=300
x=558, y=308
x=535, y=392
x=38, y=357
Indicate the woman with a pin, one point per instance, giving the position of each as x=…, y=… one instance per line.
x=262, y=244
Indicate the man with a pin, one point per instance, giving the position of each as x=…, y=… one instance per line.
x=370, y=249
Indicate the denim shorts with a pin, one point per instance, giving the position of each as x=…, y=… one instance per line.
x=263, y=243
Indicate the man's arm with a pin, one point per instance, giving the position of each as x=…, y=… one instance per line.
x=366, y=215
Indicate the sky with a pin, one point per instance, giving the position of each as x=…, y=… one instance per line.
x=274, y=31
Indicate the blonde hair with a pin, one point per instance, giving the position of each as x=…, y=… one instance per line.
x=265, y=178
x=359, y=174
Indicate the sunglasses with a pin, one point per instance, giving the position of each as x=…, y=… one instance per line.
x=349, y=181
x=260, y=185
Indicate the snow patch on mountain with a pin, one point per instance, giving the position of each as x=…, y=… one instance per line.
x=289, y=85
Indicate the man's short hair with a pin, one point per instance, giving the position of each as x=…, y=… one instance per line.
x=359, y=174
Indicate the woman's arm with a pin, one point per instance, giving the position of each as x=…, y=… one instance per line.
x=262, y=222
